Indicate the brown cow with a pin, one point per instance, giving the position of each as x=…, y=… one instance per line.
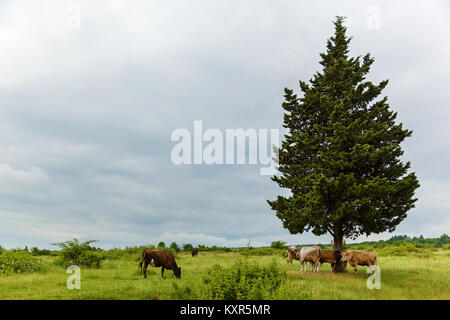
x=162, y=259
x=359, y=258
x=330, y=256
x=194, y=252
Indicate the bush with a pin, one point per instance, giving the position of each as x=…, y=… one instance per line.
x=405, y=249
x=36, y=252
x=19, y=261
x=161, y=244
x=204, y=248
x=278, y=245
x=243, y=281
x=187, y=247
x=260, y=252
x=76, y=253
x=175, y=247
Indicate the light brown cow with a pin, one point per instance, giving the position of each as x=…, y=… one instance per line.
x=292, y=254
x=359, y=258
x=330, y=256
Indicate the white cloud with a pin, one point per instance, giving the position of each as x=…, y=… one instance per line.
x=13, y=181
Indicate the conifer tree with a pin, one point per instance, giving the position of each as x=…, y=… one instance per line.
x=341, y=156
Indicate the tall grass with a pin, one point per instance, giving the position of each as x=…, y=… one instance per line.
x=409, y=276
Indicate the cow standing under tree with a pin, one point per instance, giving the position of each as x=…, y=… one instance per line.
x=311, y=255
x=162, y=259
x=330, y=256
x=194, y=252
x=359, y=258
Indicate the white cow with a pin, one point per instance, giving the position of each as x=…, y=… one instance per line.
x=311, y=255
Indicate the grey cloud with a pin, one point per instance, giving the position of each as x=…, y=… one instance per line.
x=93, y=109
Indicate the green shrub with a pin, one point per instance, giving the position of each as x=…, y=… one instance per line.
x=204, y=248
x=161, y=244
x=175, y=247
x=242, y=281
x=278, y=245
x=404, y=249
x=187, y=247
x=37, y=252
x=260, y=251
x=76, y=253
x=19, y=261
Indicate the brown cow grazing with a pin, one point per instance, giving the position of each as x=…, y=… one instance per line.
x=292, y=254
x=194, y=252
x=330, y=256
x=359, y=258
x=162, y=259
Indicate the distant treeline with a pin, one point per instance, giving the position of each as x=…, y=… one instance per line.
x=418, y=241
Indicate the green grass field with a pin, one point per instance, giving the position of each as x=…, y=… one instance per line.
x=402, y=277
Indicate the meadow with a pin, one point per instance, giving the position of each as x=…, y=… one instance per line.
x=423, y=273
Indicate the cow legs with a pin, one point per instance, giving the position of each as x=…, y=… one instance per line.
x=144, y=269
x=162, y=272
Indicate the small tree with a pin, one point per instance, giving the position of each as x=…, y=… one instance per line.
x=175, y=247
x=278, y=244
x=76, y=253
x=341, y=156
x=187, y=247
x=161, y=244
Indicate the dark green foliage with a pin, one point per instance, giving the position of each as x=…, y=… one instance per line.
x=419, y=242
x=278, y=244
x=264, y=251
x=204, y=248
x=19, y=261
x=187, y=247
x=161, y=245
x=242, y=281
x=175, y=247
x=80, y=254
x=341, y=156
x=37, y=252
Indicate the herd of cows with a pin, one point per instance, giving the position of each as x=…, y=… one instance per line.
x=314, y=255
x=317, y=256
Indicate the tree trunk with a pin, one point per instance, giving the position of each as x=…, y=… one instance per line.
x=337, y=245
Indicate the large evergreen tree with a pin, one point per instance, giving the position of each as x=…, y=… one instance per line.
x=341, y=156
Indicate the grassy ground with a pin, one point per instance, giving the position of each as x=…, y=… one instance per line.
x=406, y=277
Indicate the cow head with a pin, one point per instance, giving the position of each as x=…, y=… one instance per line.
x=177, y=272
x=345, y=256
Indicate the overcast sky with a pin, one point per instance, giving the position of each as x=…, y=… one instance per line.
x=91, y=91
